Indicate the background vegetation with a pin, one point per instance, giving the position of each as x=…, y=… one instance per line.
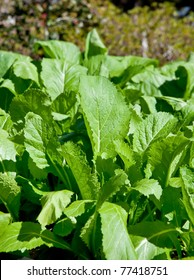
x=149, y=29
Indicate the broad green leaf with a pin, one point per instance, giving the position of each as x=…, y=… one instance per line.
x=7, y=59
x=65, y=107
x=6, y=96
x=105, y=168
x=32, y=100
x=148, y=104
x=125, y=152
x=78, y=207
x=152, y=128
x=59, y=76
x=105, y=114
x=165, y=157
x=7, y=147
x=10, y=195
x=112, y=186
x=27, y=236
x=94, y=45
x=185, y=72
x=5, y=220
x=30, y=190
x=87, y=181
x=53, y=205
x=149, y=187
x=116, y=241
x=65, y=226
x=156, y=232
x=172, y=206
x=188, y=238
x=5, y=120
x=60, y=50
x=191, y=160
x=151, y=75
x=26, y=70
x=176, y=103
x=187, y=177
x=8, y=84
x=145, y=250
x=96, y=65
x=187, y=113
x=117, y=65
x=37, y=135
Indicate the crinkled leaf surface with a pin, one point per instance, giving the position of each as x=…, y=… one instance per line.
x=53, y=205
x=165, y=157
x=105, y=113
x=149, y=187
x=32, y=100
x=152, y=128
x=87, y=181
x=116, y=241
x=10, y=194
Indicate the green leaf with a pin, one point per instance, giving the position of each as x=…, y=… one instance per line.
x=5, y=120
x=125, y=152
x=156, y=232
x=65, y=107
x=7, y=59
x=112, y=186
x=32, y=100
x=59, y=76
x=5, y=220
x=94, y=45
x=7, y=147
x=120, y=65
x=10, y=195
x=172, y=206
x=78, y=207
x=116, y=241
x=145, y=250
x=60, y=50
x=101, y=102
x=187, y=177
x=185, y=72
x=36, y=134
x=26, y=70
x=53, y=205
x=87, y=181
x=165, y=156
x=30, y=190
x=152, y=128
x=64, y=227
x=149, y=187
x=27, y=236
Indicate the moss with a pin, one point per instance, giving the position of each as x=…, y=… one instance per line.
x=146, y=31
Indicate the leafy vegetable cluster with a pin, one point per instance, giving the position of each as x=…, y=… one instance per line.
x=96, y=154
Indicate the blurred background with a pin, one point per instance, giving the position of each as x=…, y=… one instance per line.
x=156, y=29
